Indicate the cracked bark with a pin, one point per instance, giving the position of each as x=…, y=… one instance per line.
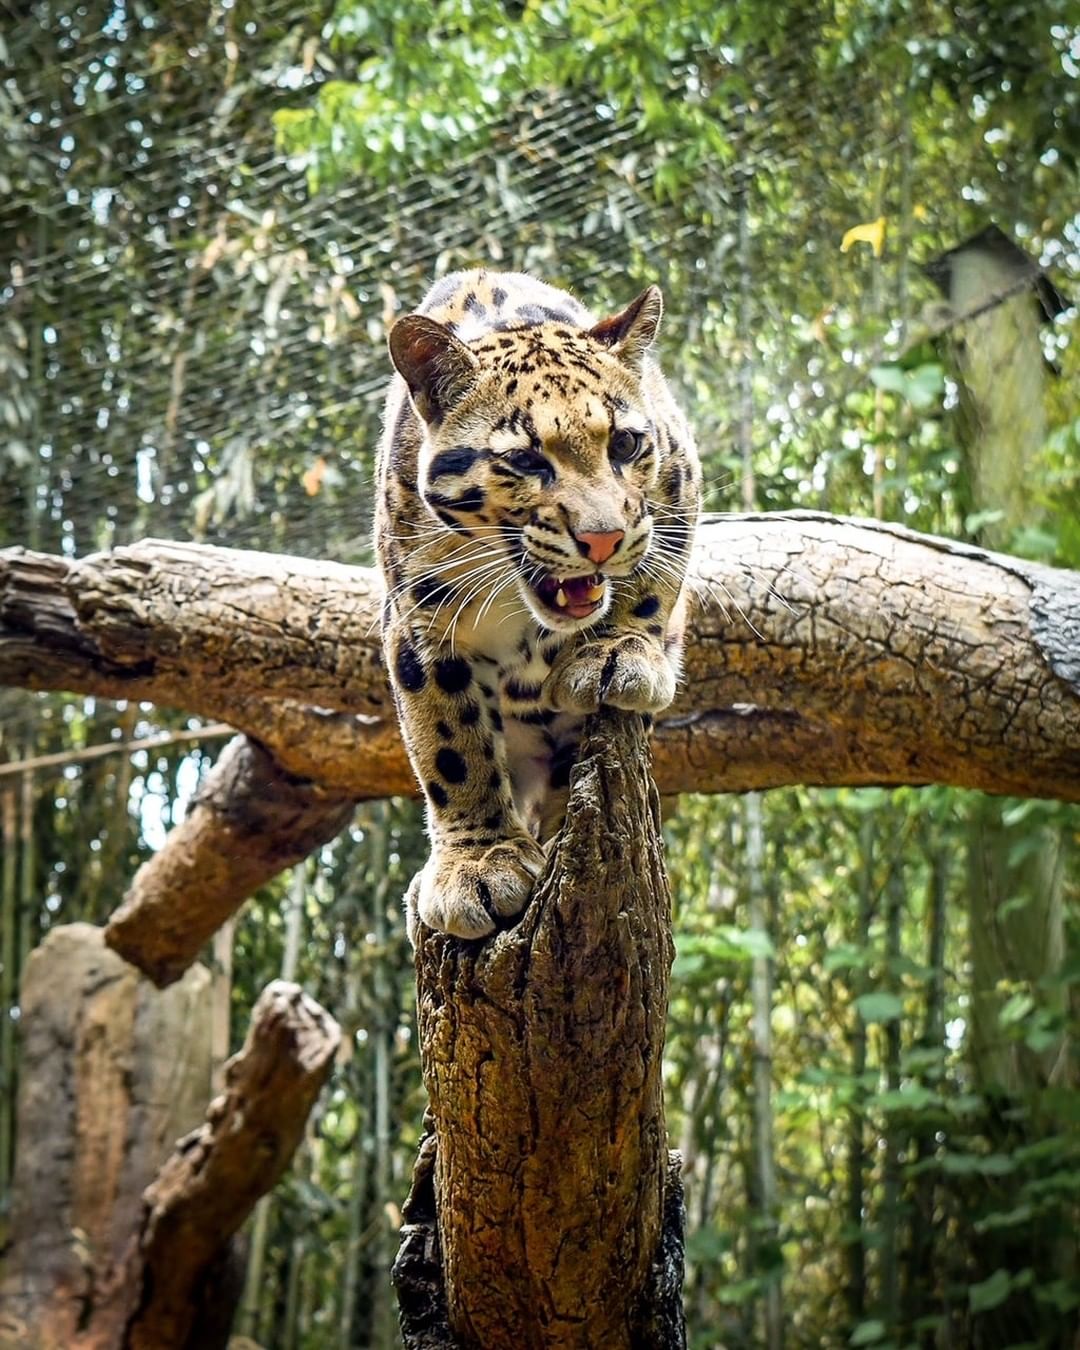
x=549, y=1167
x=822, y=651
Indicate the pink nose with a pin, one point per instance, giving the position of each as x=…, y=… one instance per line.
x=598, y=548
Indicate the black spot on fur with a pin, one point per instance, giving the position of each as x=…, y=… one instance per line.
x=437, y=793
x=494, y=821
x=444, y=732
x=541, y=717
x=655, y=629
x=452, y=674
x=495, y=781
x=451, y=766
x=646, y=608
x=428, y=592
x=473, y=305
x=410, y=672
x=523, y=693
x=470, y=715
x=498, y=297
x=496, y=719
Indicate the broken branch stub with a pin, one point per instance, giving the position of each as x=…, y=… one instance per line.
x=248, y=822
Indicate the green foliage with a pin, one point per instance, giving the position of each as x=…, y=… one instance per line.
x=211, y=216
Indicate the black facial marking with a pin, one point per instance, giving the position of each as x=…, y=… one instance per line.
x=452, y=674
x=498, y=297
x=437, y=793
x=473, y=500
x=451, y=766
x=494, y=821
x=646, y=608
x=458, y=459
x=473, y=305
x=655, y=629
x=410, y=672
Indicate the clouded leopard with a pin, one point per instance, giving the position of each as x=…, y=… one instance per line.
x=537, y=495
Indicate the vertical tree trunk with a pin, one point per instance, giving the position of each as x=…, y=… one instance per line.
x=856, y=1150
x=890, y=1204
x=542, y=1057
x=8, y=928
x=761, y=988
x=383, y=1319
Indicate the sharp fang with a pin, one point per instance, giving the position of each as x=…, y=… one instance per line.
x=560, y=598
x=595, y=592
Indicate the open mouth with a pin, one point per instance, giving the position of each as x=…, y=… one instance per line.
x=576, y=597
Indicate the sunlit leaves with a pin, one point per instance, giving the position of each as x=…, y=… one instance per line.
x=872, y=232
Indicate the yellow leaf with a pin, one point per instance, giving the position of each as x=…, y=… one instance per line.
x=920, y=212
x=312, y=478
x=872, y=233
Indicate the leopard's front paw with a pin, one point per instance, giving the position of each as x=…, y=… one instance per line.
x=626, y=672
x=463, y=892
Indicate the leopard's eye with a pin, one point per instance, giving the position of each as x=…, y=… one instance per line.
x=530, y=461
x=625, y=446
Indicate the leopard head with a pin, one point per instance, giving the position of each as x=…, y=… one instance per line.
x=541, y=441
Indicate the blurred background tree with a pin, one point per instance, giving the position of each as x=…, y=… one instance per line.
x=212, y=213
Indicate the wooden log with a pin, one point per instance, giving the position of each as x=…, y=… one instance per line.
x=541, y=1051
x=248, y=822
x=112, y=1073
x=821, y=650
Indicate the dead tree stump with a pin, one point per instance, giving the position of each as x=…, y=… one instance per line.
x=542, y=1054
x=115, y=1244
x=112, y=1073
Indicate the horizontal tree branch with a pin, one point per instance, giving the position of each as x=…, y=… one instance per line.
x=822, y=651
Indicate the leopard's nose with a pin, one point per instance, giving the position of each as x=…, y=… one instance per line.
x=598, y=547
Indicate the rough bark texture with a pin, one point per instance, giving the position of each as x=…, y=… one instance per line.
x=549, y=1172
x=249, y=821
x=112, y=1073
x=211, y=1183
x=822, y=651
x=660, y=1320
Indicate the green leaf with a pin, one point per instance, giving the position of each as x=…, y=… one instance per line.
x=1016, y=1009
x=990, y=1293
x=879, y=1007
x=867, y=1333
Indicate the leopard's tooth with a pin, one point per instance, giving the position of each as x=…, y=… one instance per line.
x=595, y=592
x=560, y=598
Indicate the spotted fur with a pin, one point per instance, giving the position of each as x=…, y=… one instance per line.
x=538, y=492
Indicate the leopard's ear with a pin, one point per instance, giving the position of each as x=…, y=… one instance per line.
x=437, y=367
x=631, y=333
